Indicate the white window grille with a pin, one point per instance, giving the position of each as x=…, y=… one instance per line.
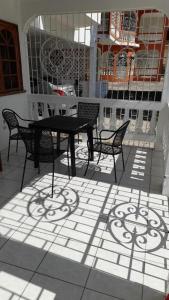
x=123, y=51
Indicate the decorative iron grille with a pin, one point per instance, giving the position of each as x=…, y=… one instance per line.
x=124, y=51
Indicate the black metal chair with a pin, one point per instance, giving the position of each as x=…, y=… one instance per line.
x=111, y=145
x=90, y=111
x=13, y=121
x=47, y=152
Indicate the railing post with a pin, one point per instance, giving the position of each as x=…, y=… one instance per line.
x=46, y=113
x=34, y=107
x=113, y=118
x=101, y=117
x=30, y=110
x=126, y=115
x=153, y=122
x=139, y=122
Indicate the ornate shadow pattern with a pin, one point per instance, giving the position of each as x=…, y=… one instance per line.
x=46, y=209
x=82, y=153
x=137, y=228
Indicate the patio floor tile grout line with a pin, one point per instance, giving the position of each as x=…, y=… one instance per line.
x=45, y=256
x=106, y=294
x=59, y=279
x=63, y=226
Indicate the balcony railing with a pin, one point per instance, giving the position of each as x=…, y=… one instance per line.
x=148, y=126
x=143, y=114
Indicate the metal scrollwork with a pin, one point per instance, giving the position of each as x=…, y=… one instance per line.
x=61, y=58
x=57, y=55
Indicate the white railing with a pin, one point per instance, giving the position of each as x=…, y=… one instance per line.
x=143, y=114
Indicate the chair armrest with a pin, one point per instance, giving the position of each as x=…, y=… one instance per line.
x=73, y=115
x=106, y=130
x=26, y=120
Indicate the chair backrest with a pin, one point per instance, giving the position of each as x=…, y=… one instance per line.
x=11, y=118
x=28, y=137
x=119, y=134
x=88, y=110
x=46, y=140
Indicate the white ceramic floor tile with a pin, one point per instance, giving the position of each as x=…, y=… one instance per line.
x=8, y=188
x=43, y=287
x=91, y=295
x=66, y=269
x=21, y=255
x=114, y=286
x=13, y=280
x=73, y=242
x=16, y=175
x=151, y=294
x=107, y=177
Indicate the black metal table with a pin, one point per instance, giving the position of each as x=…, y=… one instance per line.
x=68, y=125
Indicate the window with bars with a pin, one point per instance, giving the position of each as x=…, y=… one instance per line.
x=10, y=62
x=129, y=21
x=128, y=49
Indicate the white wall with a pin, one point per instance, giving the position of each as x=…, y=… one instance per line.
x=10, y=11
x=16, y=102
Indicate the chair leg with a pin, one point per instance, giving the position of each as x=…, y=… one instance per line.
x=122, y=159
x=97, y=136
x=87, y=165
x=68, y=159
x=9, y=145
x=99, y=157
x=53, y=172
x=89, y=157
x=23, y=174
x=115, y=169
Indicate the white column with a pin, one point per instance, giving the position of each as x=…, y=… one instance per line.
x=162, y=140
x=165, y=94
x=165, y=187
x=165, y=101
x=93, y=57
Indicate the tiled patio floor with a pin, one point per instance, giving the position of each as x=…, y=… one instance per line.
x=95, y=240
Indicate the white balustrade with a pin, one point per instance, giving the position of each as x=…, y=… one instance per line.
x=41, y=106
x=143, y=127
